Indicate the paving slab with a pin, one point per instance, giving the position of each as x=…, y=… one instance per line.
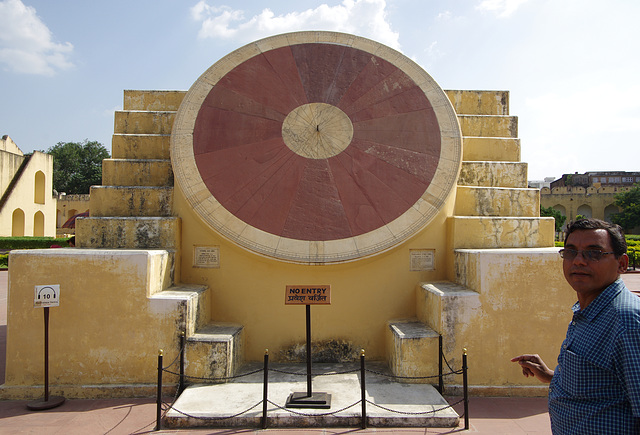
x=389, y=403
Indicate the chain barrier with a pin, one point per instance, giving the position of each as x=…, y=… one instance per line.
x=314, y=415
x=264, y=401
x=214, y=418
x=216, y=379
x=175, y=360
x=433, y=411
x=314, y=374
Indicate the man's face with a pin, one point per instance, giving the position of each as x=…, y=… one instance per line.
x=589, y=278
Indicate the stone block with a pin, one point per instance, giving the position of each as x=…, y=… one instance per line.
x=412, y=349
x=497, y=201
x=141, y=146
x=488, y=125
x=442, y=305
x=493, y=174
x=500, y=232
x=195, y=305
x=128, y=232
x=131, y=201
x=130, y=172
x=153, y=100
x=497, y=149
x=479, y=102
x=132, y=122
x=214, y=352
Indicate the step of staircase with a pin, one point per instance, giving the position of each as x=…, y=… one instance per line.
x=479, y=102
x=152, y=100
x=143, y=122
x=489, y=125
x=194, y=300
x=412, y=349
x=420, y=405
x=497, y=201
x=495, y=149
x=137, y=172
x=141, y=146
x=444, y=305
x=123, y=201
x=493, y=174
x=480, y=232
x=128, y=232
x=215, y=351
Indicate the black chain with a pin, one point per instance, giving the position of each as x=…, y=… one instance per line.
x=314, y=415
x=176, y=358
x=412, y=377
x=216, y=379
x=215, y=418
x=414, y=413
x=313, y=374
x=457, y=372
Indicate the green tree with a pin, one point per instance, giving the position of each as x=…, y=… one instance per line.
x=629, y=203
x=552, y=212
x=77, y=165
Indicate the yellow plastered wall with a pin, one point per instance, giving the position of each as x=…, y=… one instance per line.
x=249, y=289
x=106, y=329
x=524, y=307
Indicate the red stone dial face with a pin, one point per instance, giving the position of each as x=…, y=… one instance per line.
x=367, y=139
x=316, y=147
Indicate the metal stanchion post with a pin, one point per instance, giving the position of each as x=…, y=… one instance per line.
x=465, y=387
x=363, y=391
x=440, y=355
x=265, y=389
x=182, y=351
x=159, y=398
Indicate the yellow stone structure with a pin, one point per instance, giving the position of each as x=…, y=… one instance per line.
x=27, y=207
x=69, y=206
x=149, y=267
x=593, y=201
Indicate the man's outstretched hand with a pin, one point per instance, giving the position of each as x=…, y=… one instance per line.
x=532, y=365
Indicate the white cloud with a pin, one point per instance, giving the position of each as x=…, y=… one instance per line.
x=26, y=43
x=502, y=8
x=362, y=17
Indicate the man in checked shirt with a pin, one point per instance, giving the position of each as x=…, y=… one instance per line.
x=595, y=389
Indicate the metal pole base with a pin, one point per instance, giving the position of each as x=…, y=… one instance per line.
x=40, y=405
x=304, y=400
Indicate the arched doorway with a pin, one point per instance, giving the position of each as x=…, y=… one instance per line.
x=39, y=191
x=38, y=224
x=17, y=223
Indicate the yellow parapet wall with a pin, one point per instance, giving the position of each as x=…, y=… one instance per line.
x=108, y=327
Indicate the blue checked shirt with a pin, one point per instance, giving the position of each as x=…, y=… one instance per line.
x=596, y=387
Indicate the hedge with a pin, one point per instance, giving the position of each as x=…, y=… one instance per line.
x=7, y=243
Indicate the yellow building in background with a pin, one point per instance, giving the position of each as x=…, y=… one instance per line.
x=27, y=206
x=409, y=201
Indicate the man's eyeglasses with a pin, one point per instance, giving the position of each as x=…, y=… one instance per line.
x=587, y=254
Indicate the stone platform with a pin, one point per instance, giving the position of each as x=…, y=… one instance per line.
x=420, y=404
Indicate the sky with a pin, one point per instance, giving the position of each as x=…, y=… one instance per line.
x=571, y=66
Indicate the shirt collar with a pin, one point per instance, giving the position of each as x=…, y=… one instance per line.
x=603, y=299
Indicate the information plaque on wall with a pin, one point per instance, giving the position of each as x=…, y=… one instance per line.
x=307, y=295
x=206, y=256
x=423, y=259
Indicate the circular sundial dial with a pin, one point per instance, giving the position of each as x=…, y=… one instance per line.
x=316, y=147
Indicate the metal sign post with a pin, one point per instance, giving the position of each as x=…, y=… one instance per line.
x=46, y=296
x=308, y=295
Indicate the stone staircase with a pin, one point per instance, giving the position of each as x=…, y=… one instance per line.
x=133, y=209
x=492, y=198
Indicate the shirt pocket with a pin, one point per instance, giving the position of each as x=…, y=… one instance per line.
x=583, y=379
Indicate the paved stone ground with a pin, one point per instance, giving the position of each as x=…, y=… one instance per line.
x=493, y=416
